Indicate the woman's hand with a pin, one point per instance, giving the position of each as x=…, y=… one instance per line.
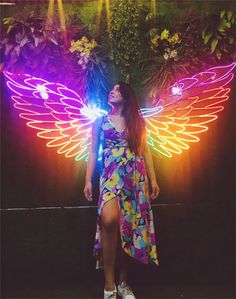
x=155, y=189
x=88, y=191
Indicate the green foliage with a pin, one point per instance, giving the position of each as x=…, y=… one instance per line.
x=41, y=47
x=219, y=34
x=84, y=13
x=125, y=38
x=175, y=50
x=146, y=48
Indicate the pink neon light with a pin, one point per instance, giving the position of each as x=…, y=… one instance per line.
x=54, y=110
x=186, y=113
x=60, y=115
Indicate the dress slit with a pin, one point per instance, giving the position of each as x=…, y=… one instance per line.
x=124, y=176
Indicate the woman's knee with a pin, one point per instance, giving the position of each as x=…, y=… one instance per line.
x=110, y=224
x=110, y=216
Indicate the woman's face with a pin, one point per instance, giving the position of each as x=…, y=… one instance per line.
x=115, y=95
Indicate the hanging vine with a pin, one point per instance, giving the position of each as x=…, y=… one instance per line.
x=125, y=38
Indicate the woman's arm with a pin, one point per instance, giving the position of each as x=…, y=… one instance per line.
x=92, y=158
x=155, y=189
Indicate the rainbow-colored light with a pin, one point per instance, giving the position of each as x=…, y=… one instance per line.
x=190, y=104
x=180, y=115
x=58, y=113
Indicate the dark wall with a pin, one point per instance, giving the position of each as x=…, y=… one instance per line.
x=42, y=247
x=34, y=175
x=194, y=214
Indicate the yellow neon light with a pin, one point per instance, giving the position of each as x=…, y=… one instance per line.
x=177, y=120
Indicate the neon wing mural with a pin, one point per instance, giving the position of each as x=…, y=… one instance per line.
x=58, y=113
x=182, y=112
x=185, y=109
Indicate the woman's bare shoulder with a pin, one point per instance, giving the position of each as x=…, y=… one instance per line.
x=98, y=122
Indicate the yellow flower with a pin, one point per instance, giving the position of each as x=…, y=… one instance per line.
x=79, y=48
x=87, y=52
x=154, y=40
x=78, y=43
x=86, y=46
x=91, y=45
x=83, y=46
x=174, y=39
x=94, y=43
x=165, y=34
x=73, y=46
x=84, y=39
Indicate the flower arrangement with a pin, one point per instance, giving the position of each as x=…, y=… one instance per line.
x=31, y=45
x=173, y=52
x=82, y=48
x=165, y=44
x=153, y=49
x=38, y=47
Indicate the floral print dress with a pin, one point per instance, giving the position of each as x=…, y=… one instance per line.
x=124, y=176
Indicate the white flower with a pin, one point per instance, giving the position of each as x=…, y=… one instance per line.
x=173, y=53
x=166, y=56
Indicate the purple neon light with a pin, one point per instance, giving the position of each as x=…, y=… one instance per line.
x=61, y=116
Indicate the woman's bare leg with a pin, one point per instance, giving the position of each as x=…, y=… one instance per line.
x=110, y=224
x=124, y=263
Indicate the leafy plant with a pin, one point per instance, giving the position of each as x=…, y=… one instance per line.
x=150, y=49
x=219, y=34
x=175, y=51
x=125, y=39
x=83, y=49
x=31, y=43
x=164, y=44
x=38, y=46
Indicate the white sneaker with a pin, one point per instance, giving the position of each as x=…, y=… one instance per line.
x=124, y=290
x=110, y=294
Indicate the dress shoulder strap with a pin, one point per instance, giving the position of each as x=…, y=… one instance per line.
x=103, y=119
x=100, y=121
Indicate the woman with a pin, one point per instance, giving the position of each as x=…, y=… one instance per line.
x=127, y=173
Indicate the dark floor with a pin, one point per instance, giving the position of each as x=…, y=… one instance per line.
x=94, y=290
x=48, y=254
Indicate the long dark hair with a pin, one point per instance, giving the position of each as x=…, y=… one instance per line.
x=134, y=121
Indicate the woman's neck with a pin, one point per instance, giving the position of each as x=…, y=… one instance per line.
x=116, y=110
